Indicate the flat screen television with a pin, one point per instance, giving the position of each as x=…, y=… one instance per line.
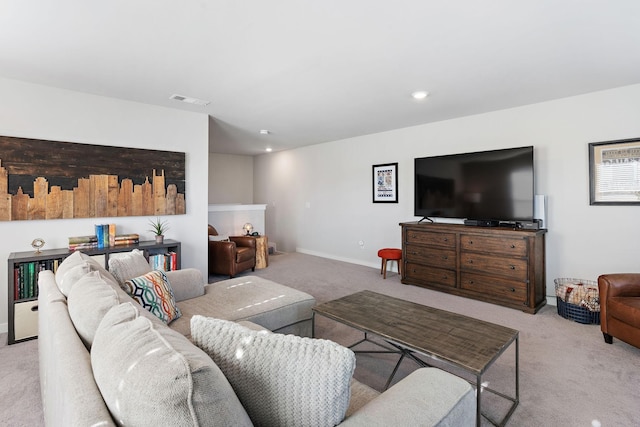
x=494, y=185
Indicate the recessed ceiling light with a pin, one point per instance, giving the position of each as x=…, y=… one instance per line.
x=268, y=149
x=420, y=94
x=189, y=100
x=264, y=132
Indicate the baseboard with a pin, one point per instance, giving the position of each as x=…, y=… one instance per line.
x=333, y=257
x=4, y=328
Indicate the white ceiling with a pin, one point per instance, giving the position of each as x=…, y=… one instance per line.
x=322, y=70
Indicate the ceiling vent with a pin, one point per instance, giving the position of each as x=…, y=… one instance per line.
x=189, y=100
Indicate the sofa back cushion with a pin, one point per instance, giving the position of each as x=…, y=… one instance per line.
x=151, y=375
x=73, y=268
x=125, y=266
x=280, y=379
x=89, y=300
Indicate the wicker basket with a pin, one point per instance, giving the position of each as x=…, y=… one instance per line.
x=578, y=300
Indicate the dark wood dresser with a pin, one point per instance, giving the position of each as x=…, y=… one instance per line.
x=493, y=264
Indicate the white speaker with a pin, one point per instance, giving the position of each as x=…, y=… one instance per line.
x=540, y=209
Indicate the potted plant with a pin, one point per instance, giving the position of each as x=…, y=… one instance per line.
x=158, y=227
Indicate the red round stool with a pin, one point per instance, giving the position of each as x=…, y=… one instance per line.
x=390, y=254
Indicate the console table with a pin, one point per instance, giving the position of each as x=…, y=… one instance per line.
x=23, y=269
x=499, y=265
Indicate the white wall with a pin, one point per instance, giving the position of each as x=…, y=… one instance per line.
x=41, y=112
x=230, y=179
x=320, y=197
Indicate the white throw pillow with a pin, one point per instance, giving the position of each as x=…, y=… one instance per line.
x=281, y=380
x=218, y=238
x=129, y=265
x=150, y=375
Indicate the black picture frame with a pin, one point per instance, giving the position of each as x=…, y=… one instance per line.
x=614, y=172
x=385, y=183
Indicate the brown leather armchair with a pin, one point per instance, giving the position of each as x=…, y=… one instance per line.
x=233, y=256
x=620, y=307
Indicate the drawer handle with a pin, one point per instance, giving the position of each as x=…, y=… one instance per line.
x=445, y=257
x=470, y=261
x=34, y=308
x=512, y=289
x=513, y=246
x=471, y=282
x=471, y=242
x=513, y=267
x=445, y=239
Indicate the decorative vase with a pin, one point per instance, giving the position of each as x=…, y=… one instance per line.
x=159, y=238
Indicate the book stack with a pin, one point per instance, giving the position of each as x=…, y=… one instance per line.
x=25, y=277
x=165, y=262
x=99, y=241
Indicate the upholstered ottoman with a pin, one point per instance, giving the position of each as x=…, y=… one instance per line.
x=269, y=304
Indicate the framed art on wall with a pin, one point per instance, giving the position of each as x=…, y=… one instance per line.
x=614, y=172
x=385, y=183
x=42, y=179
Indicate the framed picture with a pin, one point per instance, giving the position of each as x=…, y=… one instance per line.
x=385, y=183
x=614, y=172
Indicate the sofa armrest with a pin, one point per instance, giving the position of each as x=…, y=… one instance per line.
x=244, y=241
x=186, y=283
x=619, y=285
x=427, y=397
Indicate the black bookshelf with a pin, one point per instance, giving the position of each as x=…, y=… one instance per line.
x=23, y=305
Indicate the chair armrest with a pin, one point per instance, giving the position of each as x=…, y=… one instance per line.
x=427, y=397
x=245, y=241
x=186, y=284
x=619, y=285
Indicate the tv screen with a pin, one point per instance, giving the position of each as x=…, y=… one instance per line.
x=486, y=185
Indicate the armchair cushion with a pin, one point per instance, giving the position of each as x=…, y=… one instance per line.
x=620, y=307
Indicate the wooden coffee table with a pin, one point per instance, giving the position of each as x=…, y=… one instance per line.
x=414, y=330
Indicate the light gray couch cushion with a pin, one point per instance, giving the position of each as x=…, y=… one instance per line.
x=267, y=303
x=444, y=401
x=182, y=386
x=73, y=268
x=282, y=380
x=89, y=300
x=125, y=266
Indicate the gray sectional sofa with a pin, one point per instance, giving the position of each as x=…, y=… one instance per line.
x=105, y=360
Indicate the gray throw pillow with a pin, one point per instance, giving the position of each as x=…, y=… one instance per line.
x=125, y=266
x=281, y=380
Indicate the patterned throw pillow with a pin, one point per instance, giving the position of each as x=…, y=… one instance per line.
x=281, y=380
x=153, y=292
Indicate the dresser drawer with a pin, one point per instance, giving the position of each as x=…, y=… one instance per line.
x=514, y=269
x=498, y=245
x=436, y=257
x=494, y=287
x=441, y=240
x=430, y=275
x=25, y=324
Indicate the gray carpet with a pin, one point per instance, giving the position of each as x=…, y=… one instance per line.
x=568, y=375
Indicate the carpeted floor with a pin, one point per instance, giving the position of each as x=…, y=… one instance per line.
x=568, y=375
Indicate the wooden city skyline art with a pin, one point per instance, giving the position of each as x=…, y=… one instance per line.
x=42, y=179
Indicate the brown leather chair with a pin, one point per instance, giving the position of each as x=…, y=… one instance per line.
x=233, y=256
x=620, y=307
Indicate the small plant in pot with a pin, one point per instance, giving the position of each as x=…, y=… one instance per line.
x=159, y=227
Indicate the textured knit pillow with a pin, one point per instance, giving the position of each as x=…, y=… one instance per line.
x=151, y=375
x=153, y=292
x=128, y=265
x=281, y=380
